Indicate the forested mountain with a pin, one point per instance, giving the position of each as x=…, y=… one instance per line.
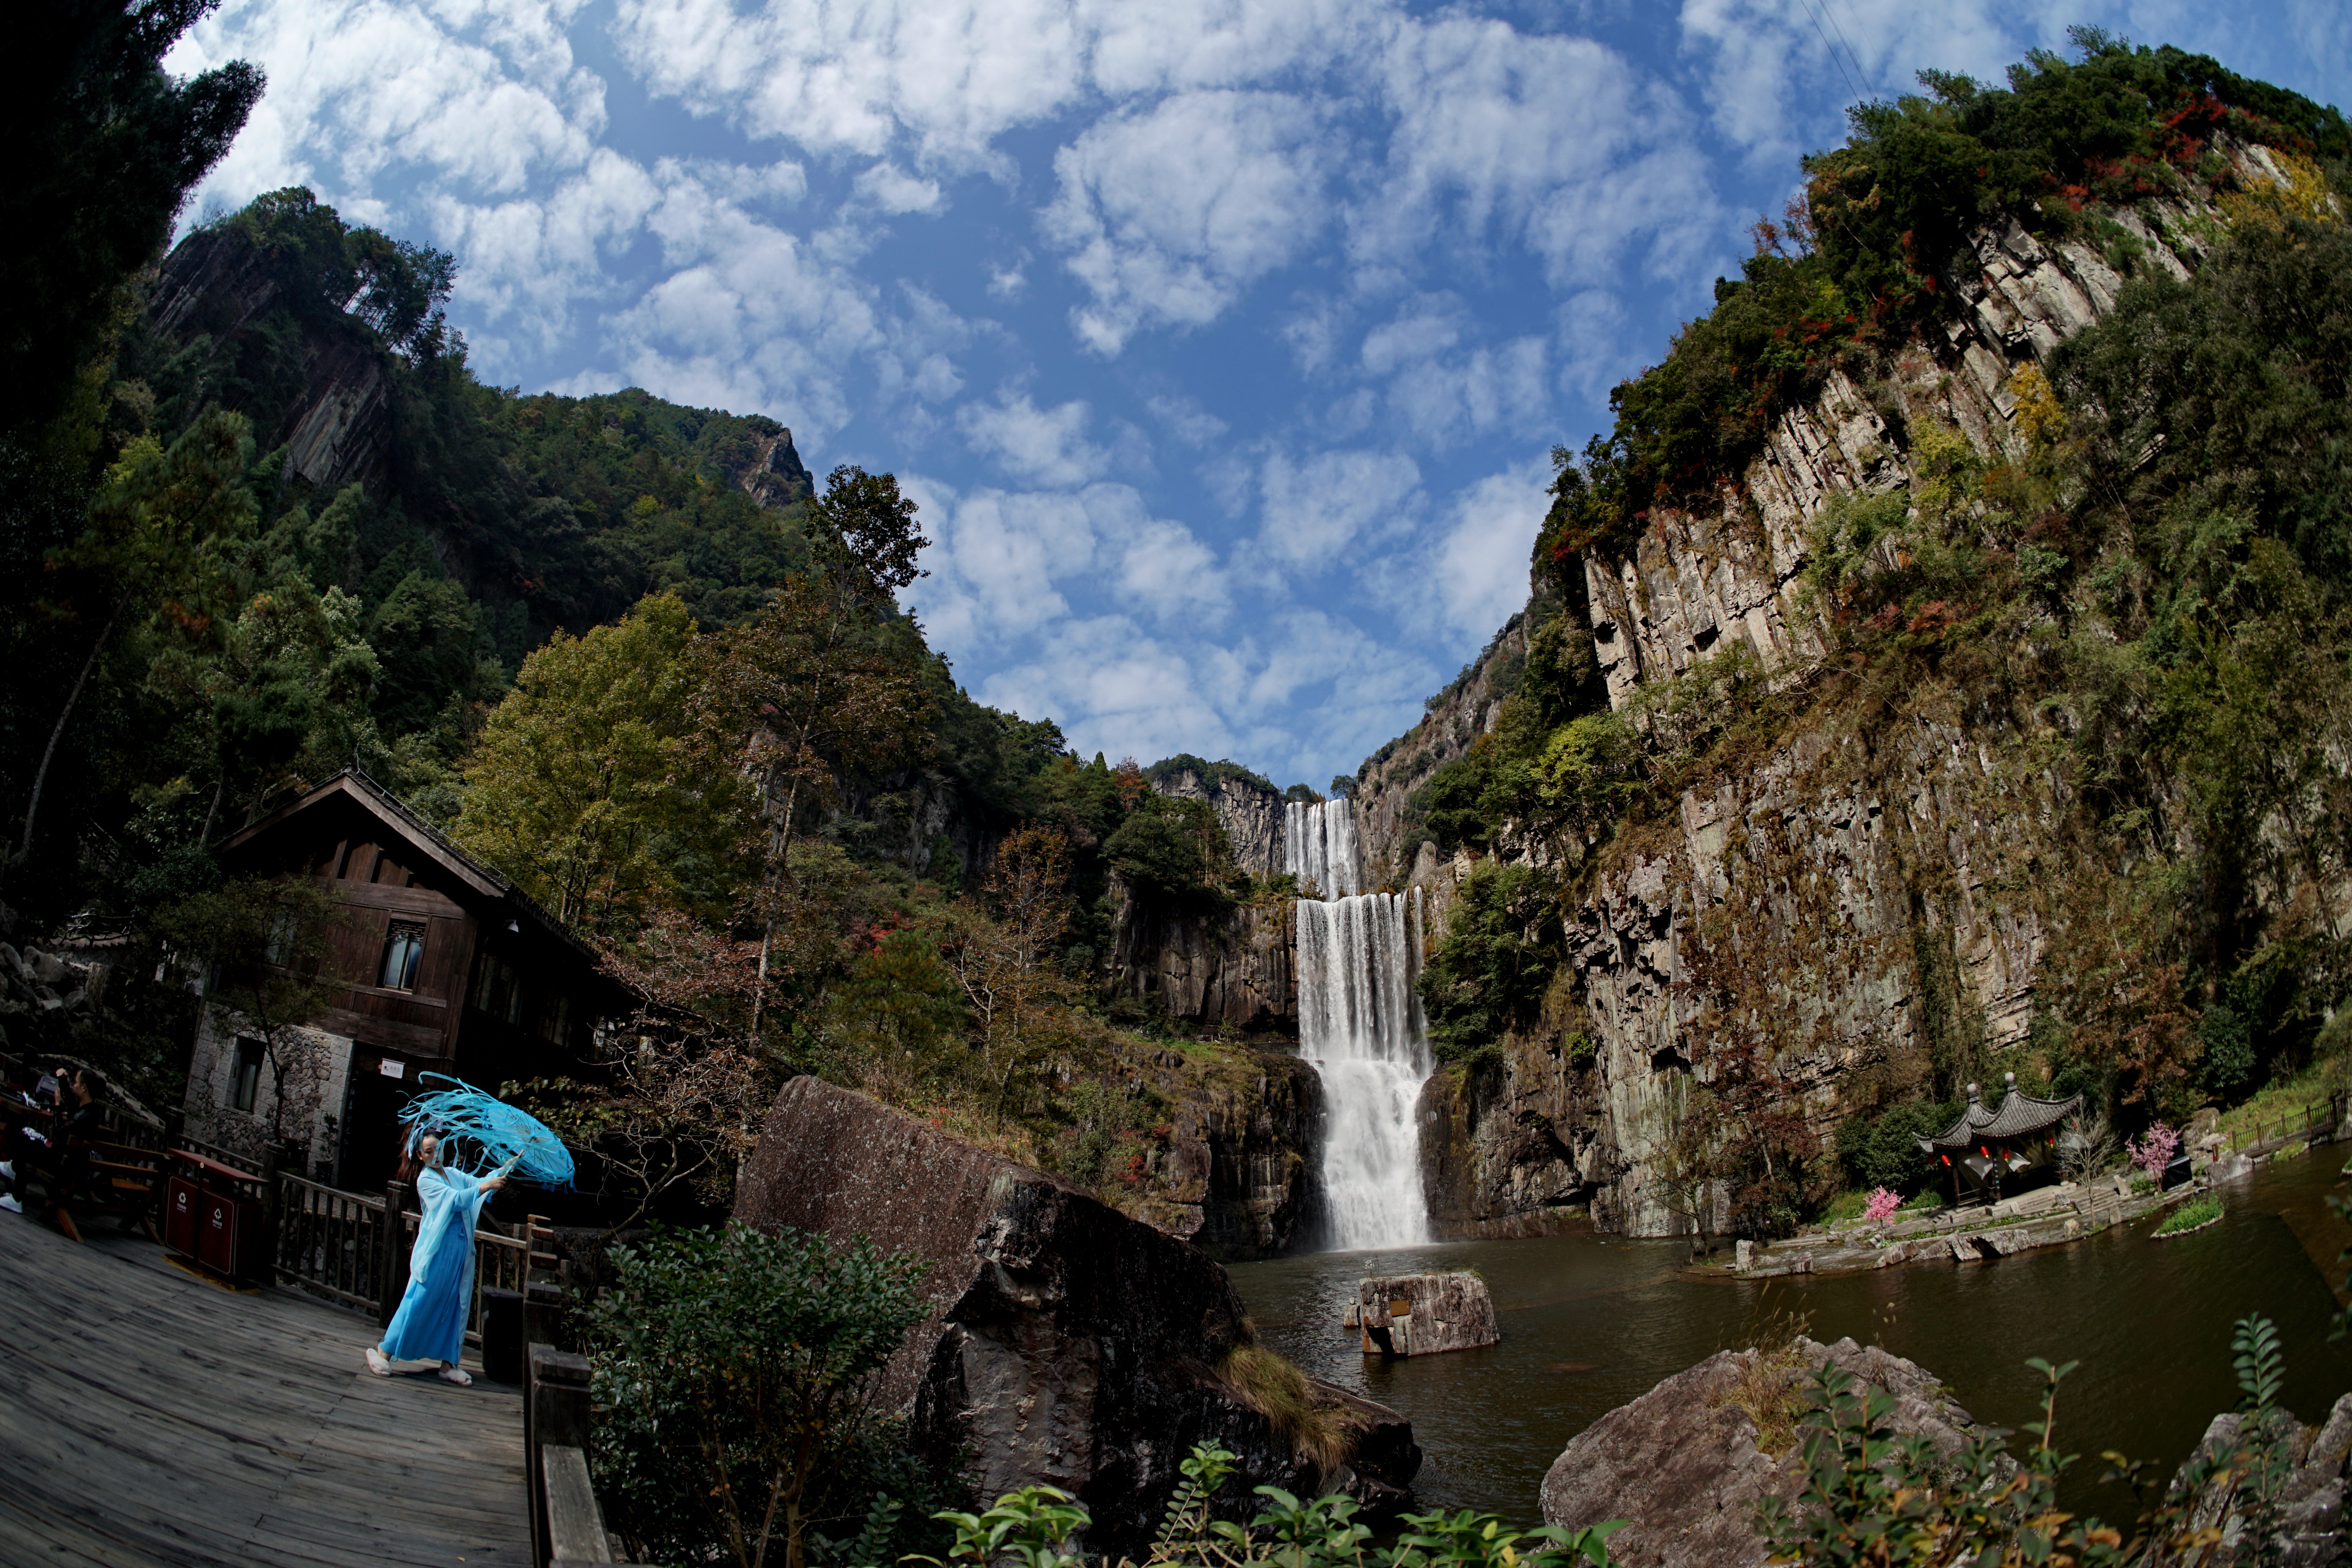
x=268, y=523
x=1940, y=670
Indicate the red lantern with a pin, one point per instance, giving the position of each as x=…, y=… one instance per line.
x=1948, y=1159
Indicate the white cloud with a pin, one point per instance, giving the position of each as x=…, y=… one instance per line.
x=1559, y=143
x=1166, y=215
x=1164, y=567
x=1480, y=565
x=1313, y=509
x=887, y=188
x=1045, y=446
x=1186, y=420
x=486, y=96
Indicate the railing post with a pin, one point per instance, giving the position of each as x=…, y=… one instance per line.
x=555, y=1412
x=394, y=1241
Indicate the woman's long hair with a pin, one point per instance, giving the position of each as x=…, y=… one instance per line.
x=412, y=1155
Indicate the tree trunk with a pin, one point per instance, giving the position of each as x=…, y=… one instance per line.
x=49, y=752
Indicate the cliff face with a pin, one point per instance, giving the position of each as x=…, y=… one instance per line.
x=1252, y=815
x=1237, y=1177
x=1233, y=969
x=1864, y=898
x=213, y=283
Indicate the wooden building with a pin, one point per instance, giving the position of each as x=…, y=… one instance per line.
x=437, y=963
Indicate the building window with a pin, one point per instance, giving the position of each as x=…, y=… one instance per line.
x=244, y=1081
x=402, y=946
x=497, y=989
x=555, y=1022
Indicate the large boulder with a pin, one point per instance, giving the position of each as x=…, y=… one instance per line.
x=1424, y=1314
x=1681, y=1465
x=1066, y=1344
x=2306, y=1531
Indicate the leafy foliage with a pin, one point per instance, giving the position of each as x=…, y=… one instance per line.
x=735, y=1371
x=104, y=147
x=1492, y=966
x=1035, y=1526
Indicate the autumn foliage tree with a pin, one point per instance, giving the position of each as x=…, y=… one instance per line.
x=828, y=679
x=1005, y=952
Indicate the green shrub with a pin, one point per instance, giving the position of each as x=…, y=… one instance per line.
x=1872, y=1496
x=731, y=1370
x=1883, y=1151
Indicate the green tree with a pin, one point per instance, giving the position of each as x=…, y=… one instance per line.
x=736, y=1370
x=584, y=787
x=104, y=146
x=263, y=942
x=1173, y=853
x=1491, y=967
x=828, y=680
x=157, y=547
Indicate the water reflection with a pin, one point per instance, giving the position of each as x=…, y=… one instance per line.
x=1590, y=1322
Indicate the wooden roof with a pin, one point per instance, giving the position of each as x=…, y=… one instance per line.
x=2019, y=1115
x=419, y=835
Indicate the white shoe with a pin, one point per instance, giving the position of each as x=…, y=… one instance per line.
x=8, y=1201
x=458, y=1375
x=377, y=1363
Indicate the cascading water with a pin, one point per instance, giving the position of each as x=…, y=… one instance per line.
x=1359, y=1023
x=1318, y=847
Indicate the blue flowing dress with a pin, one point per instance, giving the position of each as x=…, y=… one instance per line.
x=431, y=1322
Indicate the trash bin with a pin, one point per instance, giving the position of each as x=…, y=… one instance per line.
x=502, y=1335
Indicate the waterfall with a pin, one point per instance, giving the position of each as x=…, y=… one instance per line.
x=1359, y=1023
x=1318, y=845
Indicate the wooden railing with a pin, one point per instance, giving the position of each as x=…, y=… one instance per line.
x=2321, y=1116
x=333, y=1243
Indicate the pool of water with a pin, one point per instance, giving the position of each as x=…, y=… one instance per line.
x=1592, y=1322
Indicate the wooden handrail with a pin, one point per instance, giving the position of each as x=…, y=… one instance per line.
x=331, y=1241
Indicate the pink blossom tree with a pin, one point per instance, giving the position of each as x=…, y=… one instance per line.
x=1881, y=1206
x=2155, y=1150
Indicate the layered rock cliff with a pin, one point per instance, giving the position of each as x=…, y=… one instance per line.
x=1862, y=898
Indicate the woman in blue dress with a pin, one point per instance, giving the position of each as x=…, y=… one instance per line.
x=431, y=1322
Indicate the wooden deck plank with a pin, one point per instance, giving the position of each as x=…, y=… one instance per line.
x=148, y=1416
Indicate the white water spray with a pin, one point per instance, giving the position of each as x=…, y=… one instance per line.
x=1318, y=847
x=1359, y=1023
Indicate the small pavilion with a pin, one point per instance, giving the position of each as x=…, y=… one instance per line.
x=2017, y=1138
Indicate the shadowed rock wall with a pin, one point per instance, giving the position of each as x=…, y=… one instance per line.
x=1066, y=1344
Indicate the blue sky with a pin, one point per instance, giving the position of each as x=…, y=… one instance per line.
x=1221, y=340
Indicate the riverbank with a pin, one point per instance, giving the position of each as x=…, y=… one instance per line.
x=2044, y=1217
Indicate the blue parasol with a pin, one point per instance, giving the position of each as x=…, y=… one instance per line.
x=505, y=1135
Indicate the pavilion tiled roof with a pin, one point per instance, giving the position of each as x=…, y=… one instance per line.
x=2018, y=1116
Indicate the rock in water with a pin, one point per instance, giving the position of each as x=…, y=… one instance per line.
x=1067, y=1344
x=1421, y=1314
x=1681, y=1465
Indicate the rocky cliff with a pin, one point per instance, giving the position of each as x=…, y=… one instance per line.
x=1237, y=1177
x=1860, y=897
x=213, y=284
x=1249, y=809
x=1230, y=969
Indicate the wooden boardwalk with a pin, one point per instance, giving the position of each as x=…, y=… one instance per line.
x=147, y=1416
